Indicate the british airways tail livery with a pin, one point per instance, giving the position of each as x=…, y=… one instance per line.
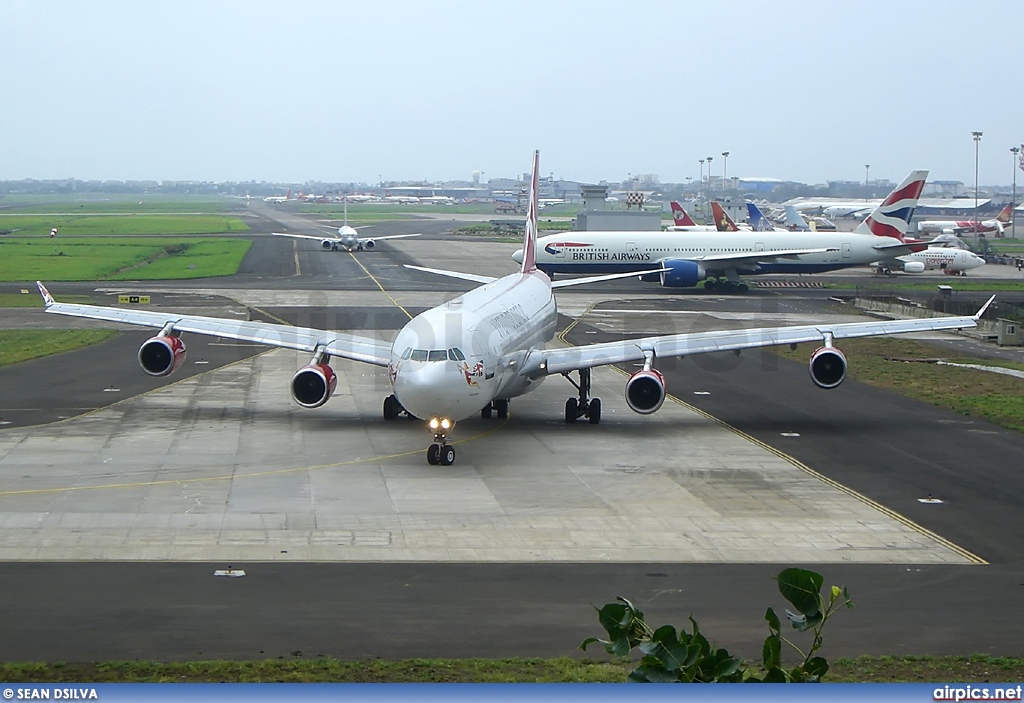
x=892, y=217
x=485, y=347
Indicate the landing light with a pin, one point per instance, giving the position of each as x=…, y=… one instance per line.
x=443, y=423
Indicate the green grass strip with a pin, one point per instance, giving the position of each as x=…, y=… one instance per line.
x=22, y=345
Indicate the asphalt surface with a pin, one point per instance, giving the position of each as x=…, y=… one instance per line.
x=856, y=435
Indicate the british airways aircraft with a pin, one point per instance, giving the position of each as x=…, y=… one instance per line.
x=345, y=238
x=479, y=350
x=720, y=258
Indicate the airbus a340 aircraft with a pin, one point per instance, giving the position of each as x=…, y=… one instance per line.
x=720, y=258
x=346, y=237
x=477, y=351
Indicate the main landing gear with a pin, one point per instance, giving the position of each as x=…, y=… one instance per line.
x=722, y=285
x=495, y=406
x=392, y=408
x=584, y=405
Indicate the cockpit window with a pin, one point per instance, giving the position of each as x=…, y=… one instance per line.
x=407, y=353
x=419, y=354
x=455, y=354
x=437, y=355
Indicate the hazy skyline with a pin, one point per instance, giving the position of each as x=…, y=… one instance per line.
x=355, y=92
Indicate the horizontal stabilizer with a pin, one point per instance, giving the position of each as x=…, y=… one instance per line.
x=454, y=274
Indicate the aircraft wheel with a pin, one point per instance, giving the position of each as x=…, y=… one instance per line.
x=434, y=454
x=743, y=288
x=571, y=408
x=502, y=407
x=485, y=412
x=711, y=286
x=391, y=407
x=594, y=411
x=447, y=455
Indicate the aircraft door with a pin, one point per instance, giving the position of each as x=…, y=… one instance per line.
x=758, y=246
x=631, y=247
x=847, y=250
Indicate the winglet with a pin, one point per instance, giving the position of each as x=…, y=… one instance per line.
x=530, y=230
x=977, y=315
x=47, y=298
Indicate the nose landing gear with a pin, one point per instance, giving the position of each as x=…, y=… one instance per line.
x=440, y=452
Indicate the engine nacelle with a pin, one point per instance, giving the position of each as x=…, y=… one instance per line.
x=328, y=244
x=827, y=367
x=369, y=244
x=645, y=391
x=913, y=267
x=682, y=273
x=161, y=355
x=313, y=385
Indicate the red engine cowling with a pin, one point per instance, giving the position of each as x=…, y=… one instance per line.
x=827, y=367
x=645, y=391
x=161, y=355
x=313, y=385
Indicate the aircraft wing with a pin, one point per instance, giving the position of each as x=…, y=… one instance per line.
x=476, y=278
x=897, y=248
x=753, y=257
x=389, y=236
x=341, y=344
x=303, y=236
x=548, y=361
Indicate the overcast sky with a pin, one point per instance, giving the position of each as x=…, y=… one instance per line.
x=356, y=91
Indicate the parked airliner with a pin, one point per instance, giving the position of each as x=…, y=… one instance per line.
x=346, y=237
x=279, y=198
x=720, y=258
x=477, y=351
x=956, y=262
x=968, y=226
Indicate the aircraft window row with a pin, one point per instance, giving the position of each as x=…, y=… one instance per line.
x=453, y=354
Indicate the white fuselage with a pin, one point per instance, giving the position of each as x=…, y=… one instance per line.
x=614, y=252
x=966, y=226
x=946, y=258
x=492, y=328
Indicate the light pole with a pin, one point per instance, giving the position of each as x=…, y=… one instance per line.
x=977, y=141
x=725, y=164
x=1014, y=150
x=867, y=170
x=700, y=185
x=709, y=176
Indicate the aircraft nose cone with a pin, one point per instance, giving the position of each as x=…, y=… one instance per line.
x=517, y=256
x=437, y=389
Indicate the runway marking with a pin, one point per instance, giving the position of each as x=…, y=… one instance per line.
x=295, y=250
x=374, y=279
x=258, y=474
x=888, y=512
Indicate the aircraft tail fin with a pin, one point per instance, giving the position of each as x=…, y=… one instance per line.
x=681, y=216
x=530, y=230
x=758, y=222
x=794, y=220
x=892, y=217
x=723, y=223
x=1005, y=214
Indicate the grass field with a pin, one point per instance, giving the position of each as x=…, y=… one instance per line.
x=92, y=259
x=564, y=670
x=127, y=224
x=989, y=396
x=954, y=282
x=32, y=299
x=99, y=203
x=22, y=345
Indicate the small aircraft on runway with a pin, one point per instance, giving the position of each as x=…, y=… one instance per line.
x=346, y=237
x=479, y=350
